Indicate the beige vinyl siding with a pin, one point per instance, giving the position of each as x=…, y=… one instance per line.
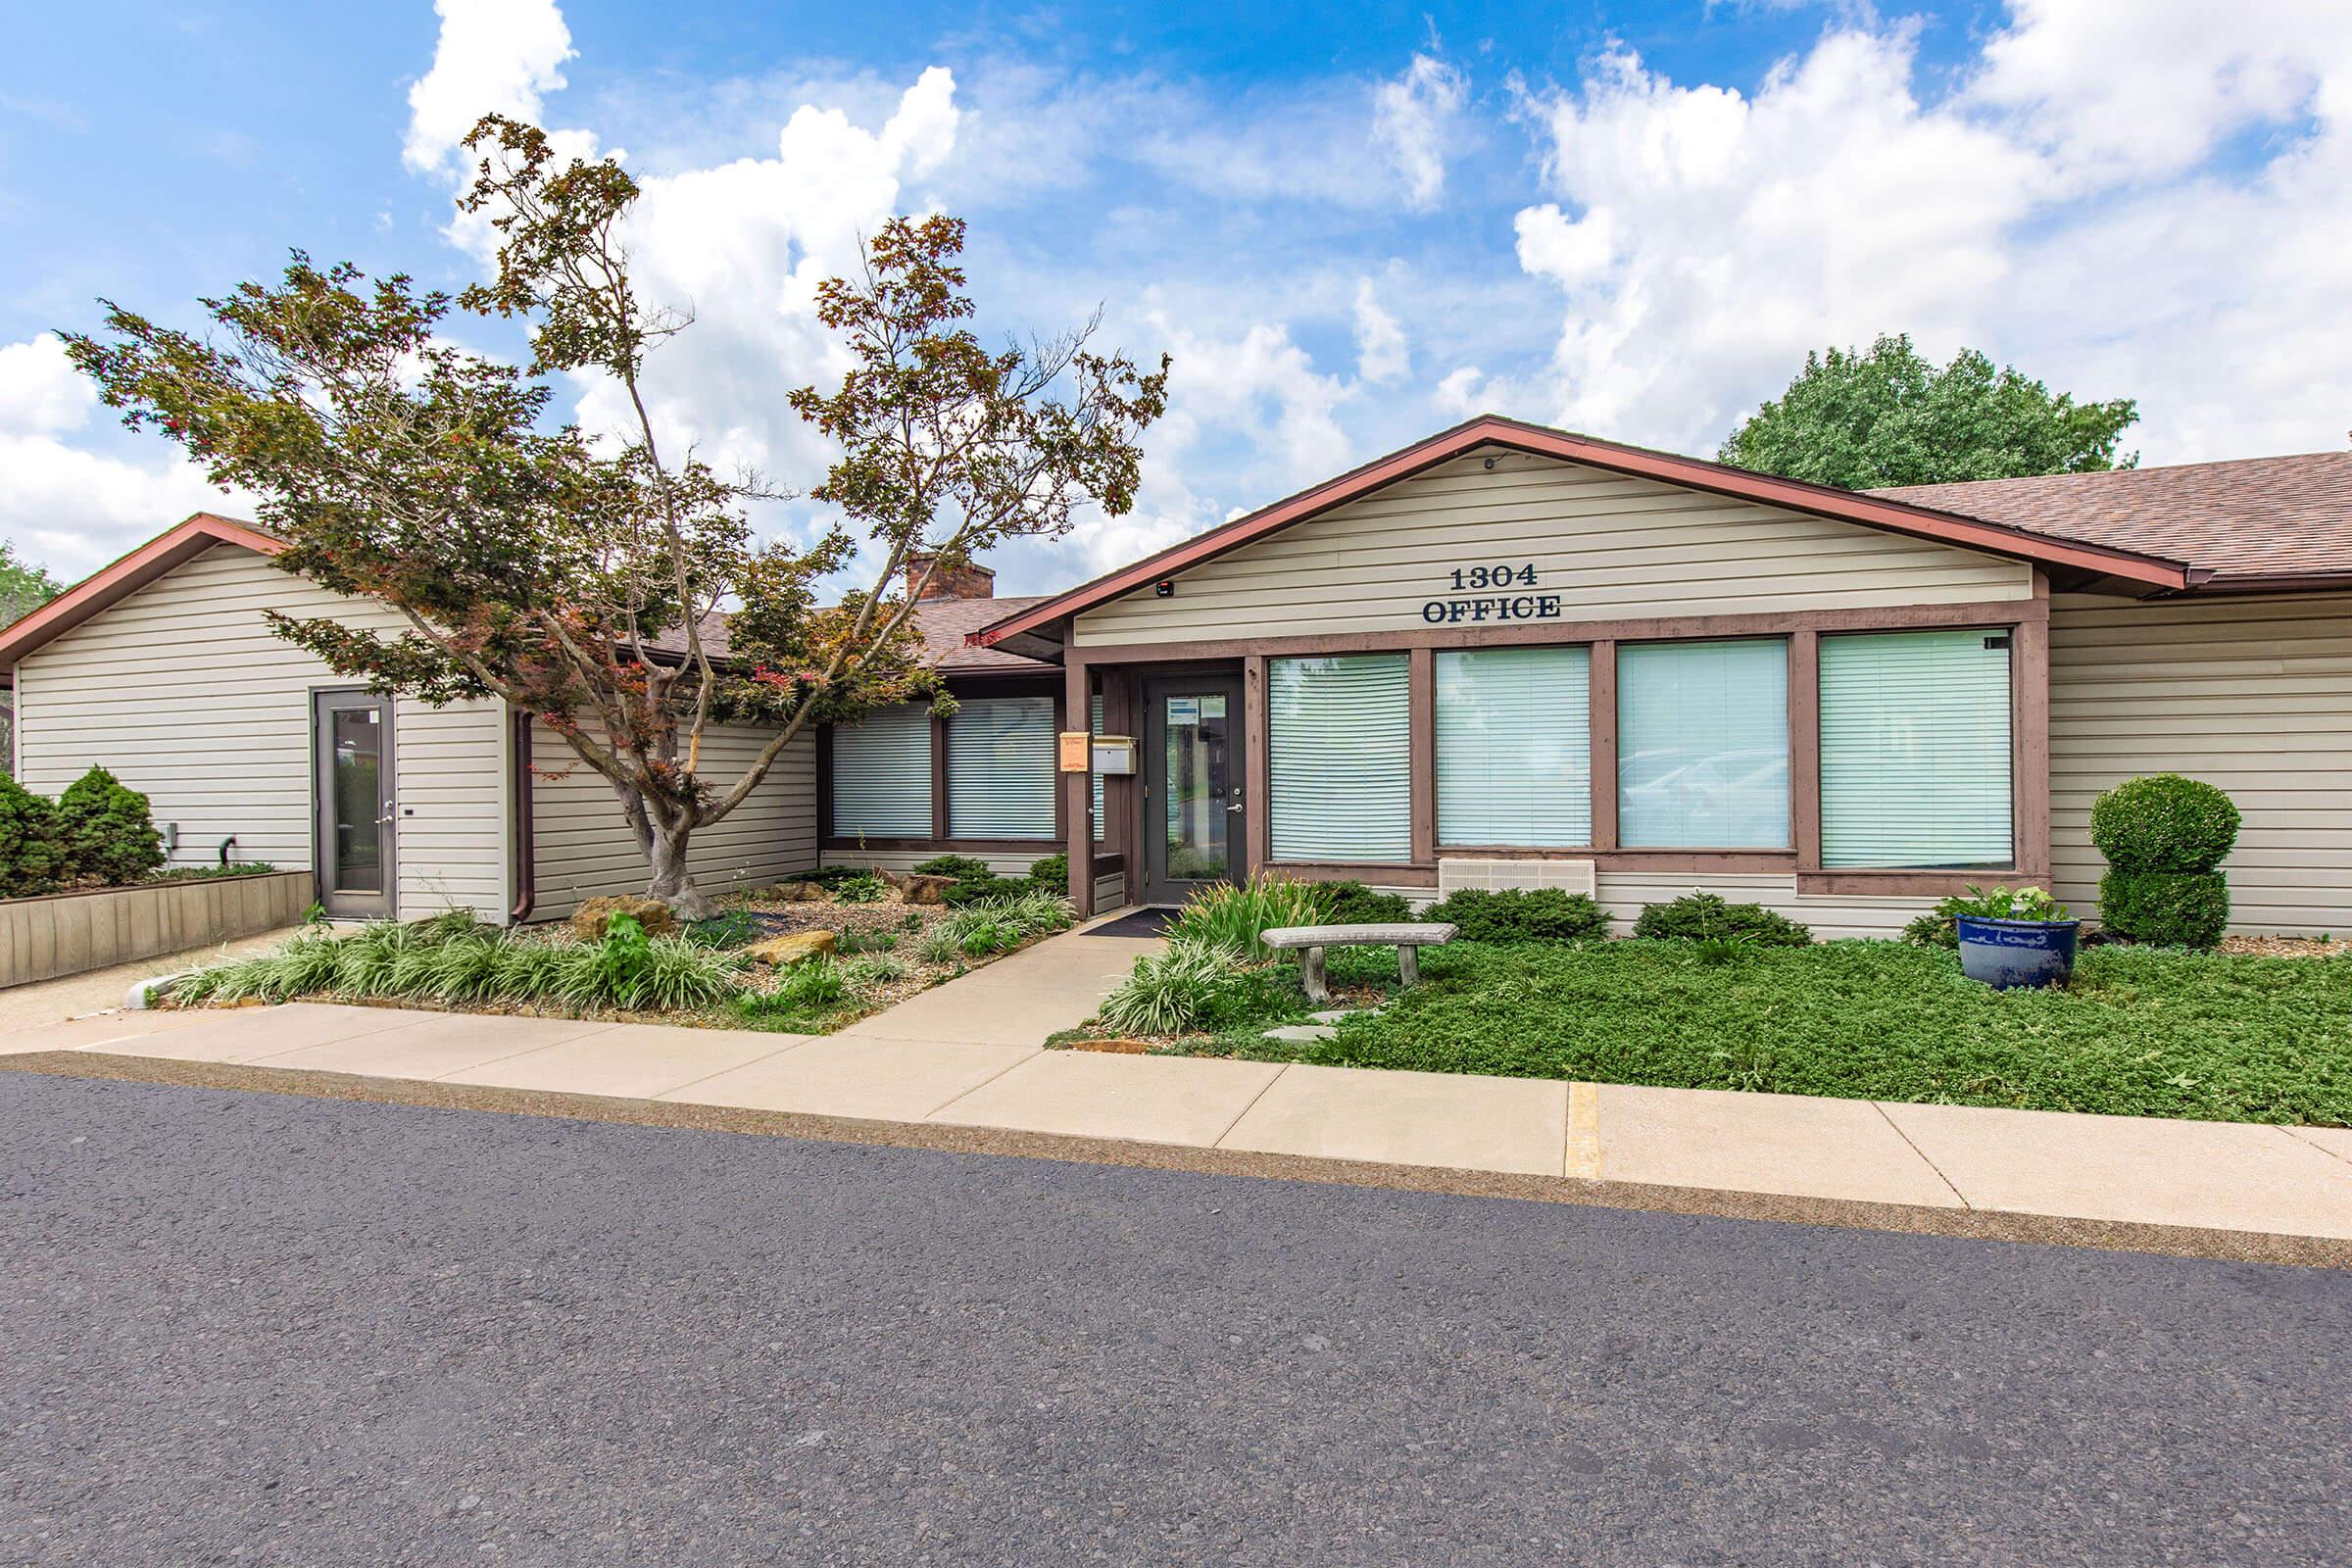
x=1830, y=916
x=181, y=691
x=582, y=846
x=1610, y=547
x=2253, y=696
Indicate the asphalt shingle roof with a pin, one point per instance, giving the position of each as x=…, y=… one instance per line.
x=2249, y=518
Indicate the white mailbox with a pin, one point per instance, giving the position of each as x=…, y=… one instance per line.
x=1114, y=754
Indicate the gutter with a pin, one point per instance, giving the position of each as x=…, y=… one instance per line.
x=518, y=804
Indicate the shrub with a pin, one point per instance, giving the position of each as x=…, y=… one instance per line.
x=2165, y=908
x=863, y=889
x=984, y=889
x=1235, y=914
x=870, y=969
x=2164, y=822
x=942, y=944
x=814, y=984
x=1353, y=904
x=849, y=942
x=1052, y=873
x=958, y=867
x=1521, y=915
x=105, y=832
x=736, y=928
x=1172, y=991
x=1697, y=916
x=1940, y=927
x=29, y=861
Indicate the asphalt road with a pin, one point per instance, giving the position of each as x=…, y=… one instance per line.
x=252, y=1329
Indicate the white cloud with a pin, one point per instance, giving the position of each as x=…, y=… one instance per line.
x=1411, y=118
x=1381, y=354
x=492, y=57
x=2054, y=210
x=64, y=505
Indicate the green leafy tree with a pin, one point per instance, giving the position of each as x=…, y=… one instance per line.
x=29, y=861
x=24, y=586
x=583, y=579
x=1891, y=418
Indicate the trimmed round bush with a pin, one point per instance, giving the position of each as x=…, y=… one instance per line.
x=1521, y=915
x=2165, y=908
x=2164, y=822
x=1699, y=916
x=29, y=861
x=107, y=832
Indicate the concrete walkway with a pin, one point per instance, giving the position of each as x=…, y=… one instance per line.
x=46, y=1001
x=967, y=1056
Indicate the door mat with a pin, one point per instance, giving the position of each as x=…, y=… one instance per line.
x=1142, y=923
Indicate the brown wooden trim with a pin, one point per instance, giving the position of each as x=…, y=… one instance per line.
x=2029, y=735
x=1035, y=849
x=824, y=783
x=1421, y=717
x=1674, y=628
x=1257, y=814
x=1601, y=701
x=1804, y=746
x=1105, y=864
x=1875, y=883
x=1073, y=797
x=1380, y=873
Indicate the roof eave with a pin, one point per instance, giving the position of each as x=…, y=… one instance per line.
x=1539, y=440
x=165, y=552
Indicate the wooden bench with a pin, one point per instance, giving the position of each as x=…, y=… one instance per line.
x=1409, y=938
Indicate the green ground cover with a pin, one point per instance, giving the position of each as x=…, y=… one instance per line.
x=2141, y=1032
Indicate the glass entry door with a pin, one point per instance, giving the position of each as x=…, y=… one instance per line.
x=1192, y=806
x=353, y=835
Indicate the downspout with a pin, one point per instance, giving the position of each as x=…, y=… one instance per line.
x=518, y=797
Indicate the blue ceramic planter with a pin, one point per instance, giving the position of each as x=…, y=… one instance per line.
x=2008, y=953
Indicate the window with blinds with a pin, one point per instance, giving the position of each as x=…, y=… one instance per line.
x=1515, y=747
x=881, y=783
x=1338, y=746
x=1094, y=724
x=1702, y=745
x=1915, y=749
x=1001, y=758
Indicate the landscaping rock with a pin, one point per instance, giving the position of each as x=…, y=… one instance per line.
x=925, y=888
x=798, y=892
x=793, y=947
x=1124, y=1048
x=1302, y=1033
x=589, y=920
x=1334, y=1014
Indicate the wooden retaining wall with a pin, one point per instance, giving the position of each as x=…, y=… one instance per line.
x=71, y=933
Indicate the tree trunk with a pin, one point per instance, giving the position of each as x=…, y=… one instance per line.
x=673, y=883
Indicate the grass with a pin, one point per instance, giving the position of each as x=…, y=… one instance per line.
x=2141, y=1032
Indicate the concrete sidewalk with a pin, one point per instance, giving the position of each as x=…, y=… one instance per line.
x=968, y=1055
x=2212, y=1176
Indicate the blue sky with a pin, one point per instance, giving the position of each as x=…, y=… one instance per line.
x=1351, y=225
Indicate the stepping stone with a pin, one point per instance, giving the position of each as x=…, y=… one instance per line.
x=1302, y=1033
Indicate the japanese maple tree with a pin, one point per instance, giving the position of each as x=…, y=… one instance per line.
x=584, y=576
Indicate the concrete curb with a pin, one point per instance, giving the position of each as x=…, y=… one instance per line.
x=1977, y=1224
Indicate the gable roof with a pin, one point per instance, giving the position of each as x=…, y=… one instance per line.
x=942, y=624
x=2087, y=560
x=112, y=583
x=2253, y=522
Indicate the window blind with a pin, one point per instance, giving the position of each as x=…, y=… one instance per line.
x=1339, y=752
x=1702, y=745
x=1001, y=768
x=1515, y=747
x=1094, y=724
x=882, y=774
x=1915, y=749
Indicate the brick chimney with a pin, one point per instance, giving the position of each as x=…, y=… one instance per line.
x=966, y=581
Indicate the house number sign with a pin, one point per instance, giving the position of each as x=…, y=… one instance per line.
x=1492, y=592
